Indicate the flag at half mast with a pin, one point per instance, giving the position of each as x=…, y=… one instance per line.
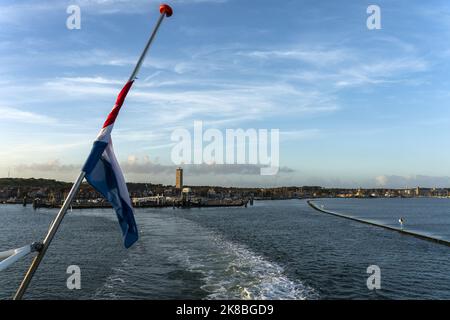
x=102, y=169
x=104, y=174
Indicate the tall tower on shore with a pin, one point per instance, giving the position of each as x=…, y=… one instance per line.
x=179, y=178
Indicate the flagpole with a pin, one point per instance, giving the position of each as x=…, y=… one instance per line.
x=149, y=42
x=48, y=238
x=165, y=10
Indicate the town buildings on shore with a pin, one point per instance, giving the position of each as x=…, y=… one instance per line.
x=16, y=190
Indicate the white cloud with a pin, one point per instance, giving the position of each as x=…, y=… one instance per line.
x=313, y=56
x=381, y=181
x=384, y=71
x=218, y=103
x=21, y=11
x=92, y=80
x=144, y=170
x=360, y=74
x=17, y=115
x=412, y=181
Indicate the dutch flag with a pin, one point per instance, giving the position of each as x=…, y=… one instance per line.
x=104, y=174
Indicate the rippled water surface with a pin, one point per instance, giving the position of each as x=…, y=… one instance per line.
x=273, y=250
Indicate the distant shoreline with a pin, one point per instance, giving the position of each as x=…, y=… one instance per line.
x=106, y=205
x=44, y=182
x=53, y=193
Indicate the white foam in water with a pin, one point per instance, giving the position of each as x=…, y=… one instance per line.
x=228, y=270
x=250, y=276
x=233, y=271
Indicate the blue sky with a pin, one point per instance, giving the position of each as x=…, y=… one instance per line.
x=355, y=107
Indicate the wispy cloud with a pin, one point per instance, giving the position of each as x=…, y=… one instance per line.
x=378, y=72
x=92, y=80
x=16, y=12
x=236, y=101
x=132, y=6
x=313, y=56
x=17, y=115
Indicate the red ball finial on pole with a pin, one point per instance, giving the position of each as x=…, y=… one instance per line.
x=165, y=8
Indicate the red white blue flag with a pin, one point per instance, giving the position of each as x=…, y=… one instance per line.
x=104, y=174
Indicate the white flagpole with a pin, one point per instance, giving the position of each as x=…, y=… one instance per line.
x=165, y=10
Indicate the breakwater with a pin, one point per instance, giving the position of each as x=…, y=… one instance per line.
x=405, y=232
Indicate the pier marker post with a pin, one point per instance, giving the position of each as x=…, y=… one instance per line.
x=166, y=11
